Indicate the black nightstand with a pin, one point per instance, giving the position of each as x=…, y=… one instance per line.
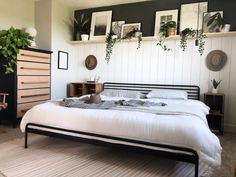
x=216, y=116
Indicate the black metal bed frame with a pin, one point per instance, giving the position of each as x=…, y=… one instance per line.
x=167, y=151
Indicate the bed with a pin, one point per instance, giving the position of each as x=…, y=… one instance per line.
x=177, y=131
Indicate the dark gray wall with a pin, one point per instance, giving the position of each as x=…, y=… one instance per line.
x=144, y=12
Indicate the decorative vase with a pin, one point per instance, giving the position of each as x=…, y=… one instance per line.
x=214, y=90
x=226, y=28
x=84, y=37
x=171, y=31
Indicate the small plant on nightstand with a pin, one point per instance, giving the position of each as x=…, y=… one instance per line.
x=215, y=85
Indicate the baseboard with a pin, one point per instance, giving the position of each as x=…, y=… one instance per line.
x=230, y=128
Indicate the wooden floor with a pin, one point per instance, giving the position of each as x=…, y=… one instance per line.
x=228, y=142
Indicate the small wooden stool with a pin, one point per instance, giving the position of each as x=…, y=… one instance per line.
x=3, y=103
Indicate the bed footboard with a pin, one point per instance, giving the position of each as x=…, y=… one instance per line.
x=166, y=151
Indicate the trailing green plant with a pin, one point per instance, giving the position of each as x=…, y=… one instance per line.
x=200, y=36
x=184, y=35
x=215, y=83
x=161, y=43
x=131, y=34
x=110, y=42
x=190, y=33
x=215, y=21
x=11, y=41
x=164, y=33
x=111, y=39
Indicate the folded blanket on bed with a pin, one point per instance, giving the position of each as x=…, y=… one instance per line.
x=83, y=103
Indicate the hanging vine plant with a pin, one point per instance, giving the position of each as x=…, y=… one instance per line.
x=110, y=42
x=111, y=39
x=166, y=30
x=11, y=41
x=190, y=33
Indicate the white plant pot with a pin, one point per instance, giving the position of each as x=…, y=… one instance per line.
x=226, y=28
x=84, y=37
x=214, y=90
x=137, y=34
x=114, y=36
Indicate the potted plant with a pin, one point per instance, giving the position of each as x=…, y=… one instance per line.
x=82, y=27
x=166, y=30
x=190, y=33
x=134, y=33
x=11, y=41
x=112, y=38
x=216, y=21
x=215, y=85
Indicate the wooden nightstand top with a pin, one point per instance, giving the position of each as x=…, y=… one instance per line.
x=214, y=94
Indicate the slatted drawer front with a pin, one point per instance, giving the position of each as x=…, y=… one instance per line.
x=30, y=68
x=24, y=96
x=33, y=56
x=27, y=82
x=24, y=107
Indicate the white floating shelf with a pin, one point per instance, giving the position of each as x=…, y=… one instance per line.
x=153, y=38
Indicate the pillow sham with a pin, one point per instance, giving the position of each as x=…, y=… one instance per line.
x=122, y=93
x=168, y=94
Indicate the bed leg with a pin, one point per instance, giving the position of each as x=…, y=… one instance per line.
x=26, y=138
x=196, y=168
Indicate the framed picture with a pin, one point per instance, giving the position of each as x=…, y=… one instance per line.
x=126, y=28
x=116, y=27
x=62, y=60
x=100, y=25
x=164, y=16
x=213, y=27
x=191, y=15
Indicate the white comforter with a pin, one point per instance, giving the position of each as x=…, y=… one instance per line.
x=189, y=129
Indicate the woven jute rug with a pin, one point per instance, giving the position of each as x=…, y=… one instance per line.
x=56, y=157
x=2, y=131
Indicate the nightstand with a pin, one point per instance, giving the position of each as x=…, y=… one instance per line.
x=84, y=88
x=216, y=116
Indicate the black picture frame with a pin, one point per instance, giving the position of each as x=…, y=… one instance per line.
x=63, y=60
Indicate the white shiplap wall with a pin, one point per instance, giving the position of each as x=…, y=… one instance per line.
x=150, y=64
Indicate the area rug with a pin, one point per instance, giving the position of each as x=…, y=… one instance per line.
x=2, y=131
x=56, y=157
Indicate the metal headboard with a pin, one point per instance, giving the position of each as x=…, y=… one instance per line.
x=192, y=90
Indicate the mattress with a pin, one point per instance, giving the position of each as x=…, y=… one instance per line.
x=181, y=123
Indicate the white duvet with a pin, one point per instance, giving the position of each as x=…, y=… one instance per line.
x=187, y=128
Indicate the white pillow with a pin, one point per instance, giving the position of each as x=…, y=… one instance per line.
x=168, y=94
x=122, y=93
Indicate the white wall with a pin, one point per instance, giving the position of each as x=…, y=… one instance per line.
x=16, y=13
x=60, y=35
x=43, y=24
x=151, y=64
x=53, y=34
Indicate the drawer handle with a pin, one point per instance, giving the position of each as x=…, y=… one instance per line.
x=44, y=69
x=36, y=95
x=43, y=82
x=34, y=56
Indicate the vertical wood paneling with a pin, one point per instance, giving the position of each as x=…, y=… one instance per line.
x=150, y=64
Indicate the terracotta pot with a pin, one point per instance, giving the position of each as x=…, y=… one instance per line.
x=171, y=31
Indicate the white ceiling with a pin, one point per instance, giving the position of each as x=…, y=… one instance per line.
x=85, y=4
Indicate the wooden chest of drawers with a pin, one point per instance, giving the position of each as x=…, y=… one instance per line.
x=28, y=86
x=33, y=79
